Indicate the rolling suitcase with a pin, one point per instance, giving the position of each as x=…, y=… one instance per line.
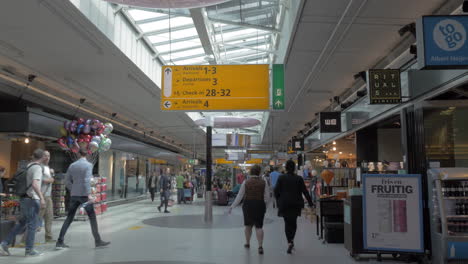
x=222, y=197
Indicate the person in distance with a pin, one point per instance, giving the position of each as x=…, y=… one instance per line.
x=255, y=194
x=288, y=192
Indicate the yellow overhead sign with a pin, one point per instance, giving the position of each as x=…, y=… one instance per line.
x=254, y=161
x=223, y=161
x=215, y=87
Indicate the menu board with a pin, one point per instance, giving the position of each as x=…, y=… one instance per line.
x=392, y=212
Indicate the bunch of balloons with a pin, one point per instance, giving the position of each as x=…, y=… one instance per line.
x=89, y=134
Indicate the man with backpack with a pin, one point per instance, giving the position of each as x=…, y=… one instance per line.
x=28, y=187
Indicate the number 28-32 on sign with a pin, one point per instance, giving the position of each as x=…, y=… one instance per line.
x=215, y=88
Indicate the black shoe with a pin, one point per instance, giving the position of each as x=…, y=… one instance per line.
x=260, y=250
x=290, y=248
x=102, y=244
x=167, y=212
x=61, y=245
x=159, y=208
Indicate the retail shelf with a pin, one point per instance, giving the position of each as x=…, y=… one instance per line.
x=456, y=198
x=458, y=216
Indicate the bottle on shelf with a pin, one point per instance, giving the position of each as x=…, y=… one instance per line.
x=449, y=190
x=465, y=188
x=444, y=189
x=457, y=207
x=460, y=191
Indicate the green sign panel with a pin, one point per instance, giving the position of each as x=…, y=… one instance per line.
x=278, y=87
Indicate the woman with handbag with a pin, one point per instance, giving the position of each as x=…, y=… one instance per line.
x=288, y=192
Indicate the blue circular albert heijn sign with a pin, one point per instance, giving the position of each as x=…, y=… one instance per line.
x=445, y=41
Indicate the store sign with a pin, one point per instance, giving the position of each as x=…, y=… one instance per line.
x=215, y=88
x=278, y=87
x=392, y=212
x=223, y=161
x=330, y=122
x=297, y=144
x=442, y=41
x=354, y=119
x=384, y=86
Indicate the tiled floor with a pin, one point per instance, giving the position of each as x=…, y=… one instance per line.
x=134, y=242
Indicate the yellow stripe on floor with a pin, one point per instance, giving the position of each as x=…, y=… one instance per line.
x=135, y=227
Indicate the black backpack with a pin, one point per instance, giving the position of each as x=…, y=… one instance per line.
x=20, y=180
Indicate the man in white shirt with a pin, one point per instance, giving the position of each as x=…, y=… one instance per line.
x=30, y=203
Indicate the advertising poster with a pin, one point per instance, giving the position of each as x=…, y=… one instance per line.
x=392, y=212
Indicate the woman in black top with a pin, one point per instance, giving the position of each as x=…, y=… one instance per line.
x=288, y=192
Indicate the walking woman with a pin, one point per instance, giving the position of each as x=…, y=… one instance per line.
x=255, y=194
x=288, y=192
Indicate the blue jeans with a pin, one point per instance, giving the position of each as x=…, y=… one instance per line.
x=28, y=219
x=180, y=196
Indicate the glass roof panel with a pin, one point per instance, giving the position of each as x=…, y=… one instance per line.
x=179, y=45
x=141, y=14
x=164, y=24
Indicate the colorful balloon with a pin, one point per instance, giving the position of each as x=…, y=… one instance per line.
x=79, y=129
x=70, y=141
x=93, y=146
x=63, y=131
x=80, y=121
x=66, y=125
x=87, y=129
x=63, y=143
x=73, y=126
x=108, y=127
x=95, y=124
x=96, y=139
x=88, y=121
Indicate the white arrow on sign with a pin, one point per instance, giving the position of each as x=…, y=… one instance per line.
x=278, y=103
x=167, y=104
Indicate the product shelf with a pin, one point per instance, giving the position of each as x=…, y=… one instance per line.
x=457, y=216
x=456, y=198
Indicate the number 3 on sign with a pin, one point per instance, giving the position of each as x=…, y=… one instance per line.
x=206, y=103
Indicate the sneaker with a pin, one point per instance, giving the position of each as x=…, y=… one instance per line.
x=61, y=245
x=33, y=253
x=4, y=249
x=102, y=244
x=167, y=212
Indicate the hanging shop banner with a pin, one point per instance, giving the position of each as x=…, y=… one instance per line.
x=330, y=122
x=215, y=88
x=354, y=119
x=278, y=87
x=384, y=86
x=442, y=41
x=297, y=144
x=392, y=212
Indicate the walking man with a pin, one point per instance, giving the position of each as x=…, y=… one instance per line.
x=47, y=213
x=152, y=185
x=30, y=203
x=165, y=186
x=78, y=181
x=180, y=188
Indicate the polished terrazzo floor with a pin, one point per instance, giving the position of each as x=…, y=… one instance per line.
x=141, y=235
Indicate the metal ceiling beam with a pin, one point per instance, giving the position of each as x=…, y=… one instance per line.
x=246, y=36
x=154, y=19
x=166, y=30
x=200, y=21
x=177, y=12
x=174, y=41
x=245, y=25
x=247, y=12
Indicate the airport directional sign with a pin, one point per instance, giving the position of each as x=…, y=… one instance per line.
x=215, y=88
